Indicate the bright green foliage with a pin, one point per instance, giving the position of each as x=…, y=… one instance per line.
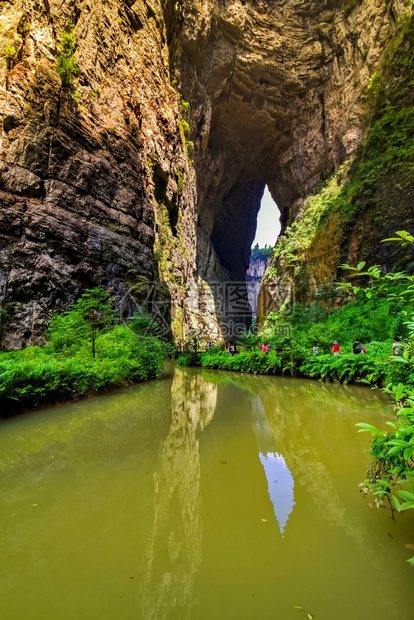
x=142, y=324
x=248, y=340
x=67, y=366
x=66, y=66
x=393, y=451
x=292, y=359
x=9, y=52
x=184, y=128
x=91, y=314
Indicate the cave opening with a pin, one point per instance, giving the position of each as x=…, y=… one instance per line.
x=267, y=232
x=247, y=214
x=268, y=222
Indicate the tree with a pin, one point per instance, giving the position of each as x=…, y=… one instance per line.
x=90, y=314
x=95, y=308
x=66, y=66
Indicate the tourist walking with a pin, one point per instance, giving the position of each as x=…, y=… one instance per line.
x=357, y=347
x=336, y=349
x=396, y=347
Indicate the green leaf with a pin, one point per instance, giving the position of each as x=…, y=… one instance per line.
x=391, y=424
x=407, y=506
x=411, y=561
x=396, y=503
x=406, y=495
x=361, y=265
x=366, y=428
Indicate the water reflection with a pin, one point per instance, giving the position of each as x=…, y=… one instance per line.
x=89, y=530
x=173, y=552
x=279, y=478
x=280, y=486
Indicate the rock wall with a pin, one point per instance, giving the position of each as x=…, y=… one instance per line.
x=277, y=98
x=96, y=185
x=96, y=181
x=254, y=276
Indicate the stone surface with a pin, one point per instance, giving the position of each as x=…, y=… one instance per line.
x=254, y=276
x=97, y=186
x=80, y=171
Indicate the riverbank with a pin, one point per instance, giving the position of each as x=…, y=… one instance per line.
x=86, y=351
x=375, y=367
x=40, y=375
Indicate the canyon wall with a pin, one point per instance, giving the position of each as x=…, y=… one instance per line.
x=95, y=180
x=150, y=165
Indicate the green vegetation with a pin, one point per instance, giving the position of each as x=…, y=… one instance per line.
x=350, y=6
x=184, y=128
x=86, y=351
x=391, y=476
x=9, y=52
x=66, y=66
x=89, y=316
x=299, y=237
x=380, y=175
x=261, y=253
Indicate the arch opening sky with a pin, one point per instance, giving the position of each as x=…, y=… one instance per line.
x=268, y=222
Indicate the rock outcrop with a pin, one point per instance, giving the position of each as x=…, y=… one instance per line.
x=97, y=185
x=254, y=277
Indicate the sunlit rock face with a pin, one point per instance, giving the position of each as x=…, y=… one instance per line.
x=97, y=186
x=275, y=89
x=83, y=171
x=254, y=276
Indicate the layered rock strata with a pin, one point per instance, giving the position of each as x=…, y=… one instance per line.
x=97, y=185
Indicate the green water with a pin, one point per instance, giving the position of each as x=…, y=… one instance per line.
x=200, y=496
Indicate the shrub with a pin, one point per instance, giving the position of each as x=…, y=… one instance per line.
x=66, y=66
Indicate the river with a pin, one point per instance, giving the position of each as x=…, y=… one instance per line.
x=200, y=496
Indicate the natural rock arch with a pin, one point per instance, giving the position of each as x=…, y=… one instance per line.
x=100, y=188
x=276, y=99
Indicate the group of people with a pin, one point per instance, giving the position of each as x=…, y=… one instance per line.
x=358, y=347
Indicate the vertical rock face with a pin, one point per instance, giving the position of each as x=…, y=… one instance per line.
x=276, y=91
x=254, y=277
x=96, y=184
x=93, y=177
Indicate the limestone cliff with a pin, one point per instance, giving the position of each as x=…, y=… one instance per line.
x=254, y=277
x=97, y=185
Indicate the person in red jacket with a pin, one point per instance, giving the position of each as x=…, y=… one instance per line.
x=336, y=349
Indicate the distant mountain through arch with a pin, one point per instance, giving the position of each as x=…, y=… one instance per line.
x=268, y=222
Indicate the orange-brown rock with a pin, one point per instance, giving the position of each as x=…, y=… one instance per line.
x=97, y=185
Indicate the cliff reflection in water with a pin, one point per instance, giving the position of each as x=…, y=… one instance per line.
x=279, y=478
x=173, y=552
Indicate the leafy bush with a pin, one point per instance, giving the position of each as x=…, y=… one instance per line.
x=84, y=353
